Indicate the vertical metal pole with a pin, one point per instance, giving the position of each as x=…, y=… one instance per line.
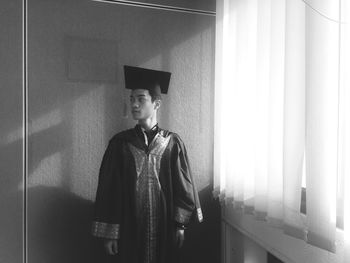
x=25, y=122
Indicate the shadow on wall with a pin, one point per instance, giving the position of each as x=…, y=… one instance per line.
x=62, y=222
x=11, y=203
x=202, y=242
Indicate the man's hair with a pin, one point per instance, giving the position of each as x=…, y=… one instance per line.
x=155, y=92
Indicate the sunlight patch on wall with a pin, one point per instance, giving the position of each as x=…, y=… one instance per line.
x=88, y=142
x=153, y=63
x=47, y=173
x=42, y=123
x=45, y=122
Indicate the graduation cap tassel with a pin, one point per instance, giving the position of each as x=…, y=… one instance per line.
x=125, y=106
x=125, y=110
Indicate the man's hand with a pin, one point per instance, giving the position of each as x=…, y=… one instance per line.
x=111, y=246
x=180, y=237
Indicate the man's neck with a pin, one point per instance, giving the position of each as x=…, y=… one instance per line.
x=149, y=123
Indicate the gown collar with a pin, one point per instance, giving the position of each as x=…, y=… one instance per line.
x=145, y=139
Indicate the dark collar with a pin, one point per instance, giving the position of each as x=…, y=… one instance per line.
x=139, y=131
x=154, y=129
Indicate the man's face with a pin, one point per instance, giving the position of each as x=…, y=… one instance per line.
x=141, y=104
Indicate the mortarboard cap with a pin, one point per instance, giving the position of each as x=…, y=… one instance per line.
x=142, y=78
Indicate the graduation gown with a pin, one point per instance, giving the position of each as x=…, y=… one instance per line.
x=143, y=192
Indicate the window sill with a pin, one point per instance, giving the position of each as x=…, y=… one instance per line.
x=286, y=248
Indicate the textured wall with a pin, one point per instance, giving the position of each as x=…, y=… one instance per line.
x=11, y=162
x=77, y=101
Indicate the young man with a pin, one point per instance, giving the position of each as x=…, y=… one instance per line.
x=146, y=194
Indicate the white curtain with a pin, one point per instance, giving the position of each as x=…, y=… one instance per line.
x=344, y=122
x=282, y=112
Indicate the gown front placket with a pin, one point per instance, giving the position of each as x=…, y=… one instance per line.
x=148, y=192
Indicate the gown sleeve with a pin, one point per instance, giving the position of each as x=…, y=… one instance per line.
x=186, y=199
x=107, y=214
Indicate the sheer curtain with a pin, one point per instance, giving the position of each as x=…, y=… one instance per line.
x=282, y=106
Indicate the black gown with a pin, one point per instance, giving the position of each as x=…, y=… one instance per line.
x=143, y=192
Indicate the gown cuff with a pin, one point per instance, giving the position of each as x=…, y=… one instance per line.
x=105, y=230
x=182, y=216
